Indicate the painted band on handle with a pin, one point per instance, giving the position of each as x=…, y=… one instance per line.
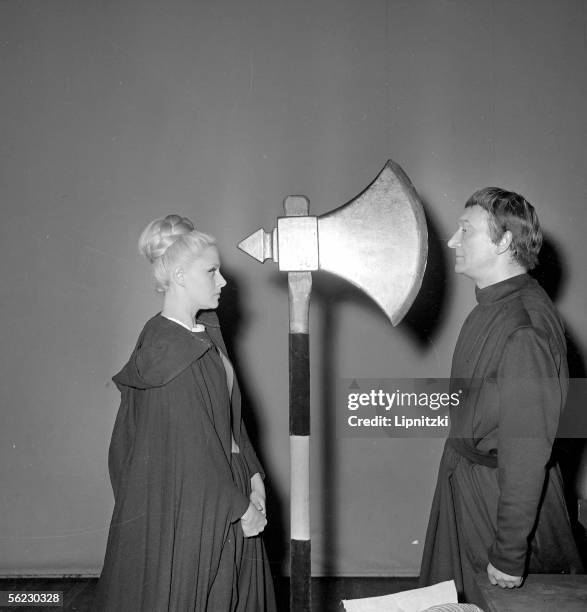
x=299, y=385
x=300, y=487
x=300, y=590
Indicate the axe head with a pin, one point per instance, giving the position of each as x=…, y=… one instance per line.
x=379, y=242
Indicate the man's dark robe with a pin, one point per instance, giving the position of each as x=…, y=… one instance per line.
x=499, y=498
x=175, y=543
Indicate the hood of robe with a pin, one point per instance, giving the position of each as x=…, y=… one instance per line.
x=163, y=351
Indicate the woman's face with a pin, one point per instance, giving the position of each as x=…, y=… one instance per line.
x=203, y=281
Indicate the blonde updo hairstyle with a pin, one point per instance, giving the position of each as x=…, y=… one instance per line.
x=169, y=242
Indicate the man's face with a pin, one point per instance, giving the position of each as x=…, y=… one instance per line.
x=475, y=254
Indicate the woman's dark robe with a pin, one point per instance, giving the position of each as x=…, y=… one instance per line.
x=499, y=498
x=175, y=541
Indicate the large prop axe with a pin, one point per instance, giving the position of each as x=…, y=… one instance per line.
x=378, y=242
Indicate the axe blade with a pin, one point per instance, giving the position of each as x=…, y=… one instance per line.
x=379, y=242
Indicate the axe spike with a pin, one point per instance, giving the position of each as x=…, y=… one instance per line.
x=259, y=245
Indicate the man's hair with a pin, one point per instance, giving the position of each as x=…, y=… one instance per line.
x=509, y=211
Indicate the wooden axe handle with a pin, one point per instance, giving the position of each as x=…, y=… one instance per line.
x=300, y=286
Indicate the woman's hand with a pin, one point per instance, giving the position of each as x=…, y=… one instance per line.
x=257, y=496
x=252, y=522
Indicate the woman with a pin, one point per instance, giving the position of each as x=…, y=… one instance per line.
x=188, y=489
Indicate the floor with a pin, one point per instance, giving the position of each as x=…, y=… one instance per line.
x=326, y=592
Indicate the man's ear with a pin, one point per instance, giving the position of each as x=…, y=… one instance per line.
x=504, y=242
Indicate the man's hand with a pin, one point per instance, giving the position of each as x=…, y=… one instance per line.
x=252, y=522
x=505, y=581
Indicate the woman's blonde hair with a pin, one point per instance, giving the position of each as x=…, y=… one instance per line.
x=168, y=242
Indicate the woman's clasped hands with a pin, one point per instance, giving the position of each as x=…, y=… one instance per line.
x=253, y=521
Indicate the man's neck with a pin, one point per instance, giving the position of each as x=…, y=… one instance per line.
x=501, y=275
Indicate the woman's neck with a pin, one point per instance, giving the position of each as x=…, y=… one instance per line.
x=174, y=309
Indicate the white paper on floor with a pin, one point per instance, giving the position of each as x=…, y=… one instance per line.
x=415, y=600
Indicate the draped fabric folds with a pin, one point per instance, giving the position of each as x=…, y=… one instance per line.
x=175, y=543
x=499, y=497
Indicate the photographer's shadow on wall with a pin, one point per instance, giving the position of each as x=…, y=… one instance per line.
x=233, y=318
x=570, y=447
x=426, y=315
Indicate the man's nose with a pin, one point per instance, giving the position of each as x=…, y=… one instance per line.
x=454, y=240
x=221, y=282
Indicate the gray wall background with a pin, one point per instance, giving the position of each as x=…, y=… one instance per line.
x=116, y=112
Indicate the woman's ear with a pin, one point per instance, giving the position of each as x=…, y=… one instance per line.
x=177, y=276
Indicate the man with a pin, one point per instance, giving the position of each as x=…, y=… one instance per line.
x=499, y=505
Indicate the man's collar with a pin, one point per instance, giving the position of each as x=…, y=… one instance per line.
x=503, y=289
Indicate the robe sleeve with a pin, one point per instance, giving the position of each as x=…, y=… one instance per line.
x=530, y=398
x=249, y=453
x=159, y=373
x=173, y=443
